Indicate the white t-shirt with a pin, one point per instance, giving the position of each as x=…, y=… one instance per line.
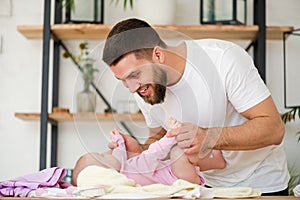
x=219, y=82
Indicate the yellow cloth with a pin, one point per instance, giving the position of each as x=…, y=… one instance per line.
x=115, y=183
x=236, y=192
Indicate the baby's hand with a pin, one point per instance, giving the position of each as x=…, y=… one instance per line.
x=173, y=126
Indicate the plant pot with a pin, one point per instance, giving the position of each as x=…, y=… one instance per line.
x=155, y=12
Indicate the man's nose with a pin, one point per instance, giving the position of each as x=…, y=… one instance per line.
x=132, y=85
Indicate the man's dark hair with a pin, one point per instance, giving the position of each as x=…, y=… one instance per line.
x=131, y=35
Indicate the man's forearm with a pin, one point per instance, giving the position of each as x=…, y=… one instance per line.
x=254, y=134
x=263, y=128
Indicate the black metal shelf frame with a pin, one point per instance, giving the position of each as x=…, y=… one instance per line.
x=259, y=59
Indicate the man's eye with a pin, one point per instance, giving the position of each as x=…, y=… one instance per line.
x=134, y=75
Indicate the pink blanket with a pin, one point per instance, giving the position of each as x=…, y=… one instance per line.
x=21, y=186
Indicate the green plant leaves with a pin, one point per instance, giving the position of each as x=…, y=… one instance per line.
x=84, y=62
x=125, y=3
x=69, y=4
x=289, y=116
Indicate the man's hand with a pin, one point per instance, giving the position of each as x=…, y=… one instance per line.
x=196, y=140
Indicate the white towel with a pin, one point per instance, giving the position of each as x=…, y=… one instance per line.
x=296, y=191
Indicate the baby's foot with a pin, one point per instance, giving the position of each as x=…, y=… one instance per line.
x=116, y=137
x=173, y=126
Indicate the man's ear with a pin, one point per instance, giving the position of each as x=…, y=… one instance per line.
x=158, y=55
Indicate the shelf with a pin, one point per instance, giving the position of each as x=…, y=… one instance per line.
x=68, y=117
x=100, y=31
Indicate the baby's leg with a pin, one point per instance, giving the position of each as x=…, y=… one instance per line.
x=214, y=160
x=119, y=152
x=181, y=167
x=218, y=158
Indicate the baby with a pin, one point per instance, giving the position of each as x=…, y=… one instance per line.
x=163, y=162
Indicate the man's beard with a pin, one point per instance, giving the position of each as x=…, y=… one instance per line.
x=158, y=96
x=159, y=87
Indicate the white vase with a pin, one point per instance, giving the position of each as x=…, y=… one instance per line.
x=86, y=100
x=155, y=12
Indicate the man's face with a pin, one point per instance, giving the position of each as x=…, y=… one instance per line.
x=142, y=76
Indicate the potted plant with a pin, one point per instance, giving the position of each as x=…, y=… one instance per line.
x=294, y=172
x=290, y=116
x=86, y=99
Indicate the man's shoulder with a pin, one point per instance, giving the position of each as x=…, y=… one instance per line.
x=211, y=43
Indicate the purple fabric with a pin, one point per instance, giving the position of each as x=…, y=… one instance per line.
x=21, y=186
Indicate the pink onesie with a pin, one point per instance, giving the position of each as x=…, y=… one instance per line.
x=152, y=165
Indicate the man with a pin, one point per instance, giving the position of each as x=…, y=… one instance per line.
x=214, y=88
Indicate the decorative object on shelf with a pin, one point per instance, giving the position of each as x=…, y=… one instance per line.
x=86, y=99
x=232, y=12
x=83, y=11
x=294, y=104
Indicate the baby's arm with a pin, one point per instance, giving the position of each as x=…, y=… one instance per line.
x=157, y=150
x=150, y=159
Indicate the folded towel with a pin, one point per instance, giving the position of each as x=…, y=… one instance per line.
x=296, y=191
x=21, y=186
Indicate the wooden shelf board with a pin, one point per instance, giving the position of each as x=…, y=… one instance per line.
x=67, y=117
x=276, y=32
x=215, y=31
x=100, y=31
x=28, y=116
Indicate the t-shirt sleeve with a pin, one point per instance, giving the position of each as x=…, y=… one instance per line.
x=244, y=86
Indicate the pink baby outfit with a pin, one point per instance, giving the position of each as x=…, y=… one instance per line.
x=21, y=186
x=152, y=165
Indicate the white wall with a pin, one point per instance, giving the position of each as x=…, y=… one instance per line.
x=20, y=86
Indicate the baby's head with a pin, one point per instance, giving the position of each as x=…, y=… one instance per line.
x=102, y=160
